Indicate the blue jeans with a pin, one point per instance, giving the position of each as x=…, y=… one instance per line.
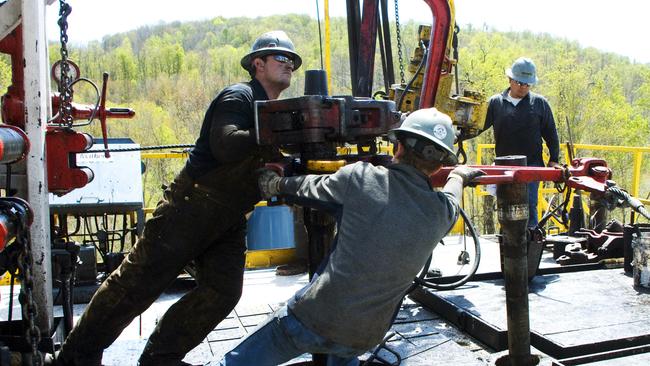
x=533, y=187
x=282, y=338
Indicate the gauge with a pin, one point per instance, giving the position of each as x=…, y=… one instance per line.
x=73, y=71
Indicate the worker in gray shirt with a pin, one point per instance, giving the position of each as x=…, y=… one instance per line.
x=389, y=222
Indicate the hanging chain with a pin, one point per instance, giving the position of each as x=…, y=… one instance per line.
x=398, y=33
x=65, y=107
x=26, y=297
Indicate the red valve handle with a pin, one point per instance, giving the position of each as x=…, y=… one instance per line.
x=102, y=114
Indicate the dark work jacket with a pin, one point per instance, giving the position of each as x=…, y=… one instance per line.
x=519, y=130
x=226, y=154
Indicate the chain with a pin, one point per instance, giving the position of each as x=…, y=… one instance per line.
x=65, y=107
x=141, y=148
x=398, y=33
x=26, y=297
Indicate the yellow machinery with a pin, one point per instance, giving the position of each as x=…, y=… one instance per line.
x=467, y=111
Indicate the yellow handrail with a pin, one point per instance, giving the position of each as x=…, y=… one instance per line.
x=175, y=155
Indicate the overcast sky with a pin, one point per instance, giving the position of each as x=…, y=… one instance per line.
x=620, y=26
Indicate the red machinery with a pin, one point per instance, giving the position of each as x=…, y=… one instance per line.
x=14, y=144
x=588, y=174
x=312, y=125
x=362, y=34
x=62, y=142
x=14, y=212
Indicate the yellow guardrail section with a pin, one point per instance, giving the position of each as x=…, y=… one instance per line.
x=172, y=155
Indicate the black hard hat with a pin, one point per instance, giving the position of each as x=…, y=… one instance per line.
x=271, y=43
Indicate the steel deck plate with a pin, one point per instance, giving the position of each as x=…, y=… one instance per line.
x=571, y=314
x=420, y=337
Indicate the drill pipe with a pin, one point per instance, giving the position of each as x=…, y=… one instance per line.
x=512, y=206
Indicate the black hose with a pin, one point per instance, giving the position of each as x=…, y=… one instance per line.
x=421, y=278
x=410, y=83
x=631, y=201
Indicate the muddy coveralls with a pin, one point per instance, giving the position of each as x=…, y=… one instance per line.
x=200, y=219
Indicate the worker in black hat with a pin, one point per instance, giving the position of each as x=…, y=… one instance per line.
x=200, y=220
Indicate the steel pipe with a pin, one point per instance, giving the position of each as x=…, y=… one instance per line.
x=14, y=144
x=512, y=210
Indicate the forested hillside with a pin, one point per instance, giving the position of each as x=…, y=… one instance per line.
x=169, y=73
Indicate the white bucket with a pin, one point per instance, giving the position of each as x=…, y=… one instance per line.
x=641, y=259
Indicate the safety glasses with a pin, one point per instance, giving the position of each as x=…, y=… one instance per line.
x=524, y=85
x=283, y=59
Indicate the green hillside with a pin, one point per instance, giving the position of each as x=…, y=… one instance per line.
x=169, y=73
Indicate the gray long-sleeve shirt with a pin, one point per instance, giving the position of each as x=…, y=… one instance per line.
x=519, y=130
x=391, y=221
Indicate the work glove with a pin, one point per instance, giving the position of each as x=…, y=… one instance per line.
x=466, y=174
x=268, y=182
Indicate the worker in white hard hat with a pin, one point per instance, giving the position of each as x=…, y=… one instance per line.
x=389, y=221
x=521, y=119
x=201, y=220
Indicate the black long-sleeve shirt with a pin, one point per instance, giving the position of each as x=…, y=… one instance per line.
x=226, y=155
x=227, y=134
x=519, y=130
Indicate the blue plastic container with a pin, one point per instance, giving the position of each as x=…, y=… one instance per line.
x=270, y=227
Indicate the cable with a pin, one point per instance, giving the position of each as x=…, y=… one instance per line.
x=320, y=37
x=92, y=115
x=410, y=83
x=141, y=148
x=629, y=200
x=430, y=283
x=454, y=43
x=563, y=206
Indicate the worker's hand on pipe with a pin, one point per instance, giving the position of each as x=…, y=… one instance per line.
x=268, y=182
x=466, y=174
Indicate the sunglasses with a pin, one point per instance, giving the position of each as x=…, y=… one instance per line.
x=283, y=59
x=520, y=83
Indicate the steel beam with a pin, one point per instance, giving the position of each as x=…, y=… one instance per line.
x=367, y=47
x=36, y=80
x=354, y=20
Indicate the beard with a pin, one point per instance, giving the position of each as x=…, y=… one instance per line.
x=283, y=82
